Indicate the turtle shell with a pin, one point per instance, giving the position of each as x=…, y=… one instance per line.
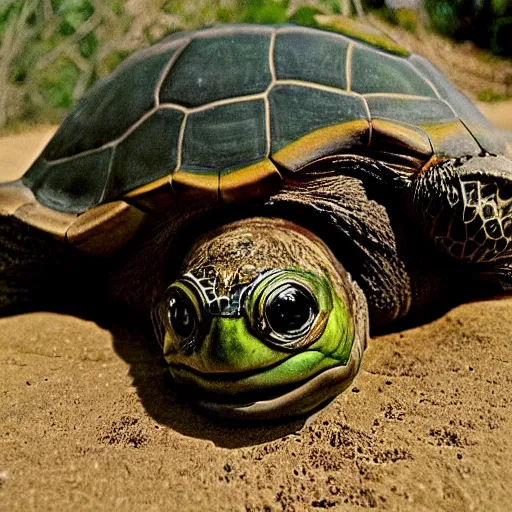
x=226, y=113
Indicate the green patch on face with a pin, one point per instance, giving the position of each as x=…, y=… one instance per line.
x=292, y=370
x=243, y=354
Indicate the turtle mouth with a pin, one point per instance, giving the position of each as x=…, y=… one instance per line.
x=217, y=394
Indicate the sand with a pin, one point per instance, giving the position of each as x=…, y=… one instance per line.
x=88, y=420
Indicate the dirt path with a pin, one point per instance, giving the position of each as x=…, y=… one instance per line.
x=87, y=421
x=18, y=151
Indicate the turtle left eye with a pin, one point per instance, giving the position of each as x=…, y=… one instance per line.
x=290, y=311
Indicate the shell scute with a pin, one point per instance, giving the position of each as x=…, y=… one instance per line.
x=373, y=71
x=74, y=185
x=223, y=137
x=212, y=69
x=295, y=113
x=112, y=105
x=106, y=228
x=416, y=111
x=400, y=138
x=436, y=118
x=312, y=57
x=482, y=130
x=148, y=153
x=452, y=140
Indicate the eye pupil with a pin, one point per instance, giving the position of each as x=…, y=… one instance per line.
x=290, y=311
x=181, y=317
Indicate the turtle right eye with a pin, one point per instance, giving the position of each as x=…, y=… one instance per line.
x=181, y=316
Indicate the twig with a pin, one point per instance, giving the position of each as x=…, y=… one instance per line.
x=359, y=8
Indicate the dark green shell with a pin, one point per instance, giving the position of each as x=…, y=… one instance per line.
x=210, y=102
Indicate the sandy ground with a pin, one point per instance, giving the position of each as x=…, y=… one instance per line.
x=89, y=422
x=501, y=115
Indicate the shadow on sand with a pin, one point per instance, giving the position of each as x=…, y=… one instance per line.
x=169, y=406
x=135, y=343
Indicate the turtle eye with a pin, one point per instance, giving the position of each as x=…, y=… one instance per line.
x=290, y=311
x=181, y=316
x=180, y=313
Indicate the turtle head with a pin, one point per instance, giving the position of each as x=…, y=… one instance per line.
x=263, y=322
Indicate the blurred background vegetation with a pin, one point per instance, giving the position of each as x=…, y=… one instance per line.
x=52, y=51
x=486, y=22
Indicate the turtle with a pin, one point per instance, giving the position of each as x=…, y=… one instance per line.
x=268, y=196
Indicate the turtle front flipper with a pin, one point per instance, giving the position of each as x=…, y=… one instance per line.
x=465, y=207
x=38, y=272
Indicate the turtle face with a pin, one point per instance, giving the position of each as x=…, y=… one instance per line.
x=258, y=339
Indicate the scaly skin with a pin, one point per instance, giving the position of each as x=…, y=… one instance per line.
x=465, y=208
